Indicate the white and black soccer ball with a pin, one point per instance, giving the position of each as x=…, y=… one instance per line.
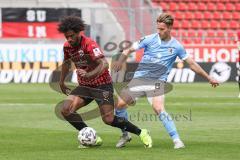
x=87, y=136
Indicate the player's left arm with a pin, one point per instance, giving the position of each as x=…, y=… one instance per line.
x=198, y=69
x=102, y=66
x=97, y=56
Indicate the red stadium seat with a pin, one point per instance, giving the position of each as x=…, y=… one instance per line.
x=177, y=24
x=189, y=15
x=174, y=33
x=220, y=7
x=230, y=7
x=223, y=24
x=208, y=40
x=186, y=40
x=220, y=37
x=211, y=6
x=196, y=24
x=211, y=33
x=214, y=24
x=173, y=6
x=227, y=15
x=198, y=15
x=179, y=15
x=231, y=37
x=195, y=20
x=205, y=24
x=236, y=15
x=231, y=34
x=220, y=34
x=237, y=6
x=202, y=7
x=186, y=24
x=164, y=6
x=217, y=15
x=234, y=25
x=217, y=40
x=197, y=40
x=200, y=33
x=184, y=33
x=207, y=15
x=182, y=7
x=192, y=33
x=199, y=37
x=192, y=7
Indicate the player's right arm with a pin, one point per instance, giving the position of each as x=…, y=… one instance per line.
x=123, y=57
x=142, y=43
x=65, y=69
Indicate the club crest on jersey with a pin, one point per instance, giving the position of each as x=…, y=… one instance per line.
x=170, y=50
x=97, y=52
x=81, y=53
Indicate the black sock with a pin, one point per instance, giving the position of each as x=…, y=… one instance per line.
x=124, y=124
x=76, y=121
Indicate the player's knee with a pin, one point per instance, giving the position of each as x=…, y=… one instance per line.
x=121, y=104
x=66, y=109
x=108, y=119
x=158, y=110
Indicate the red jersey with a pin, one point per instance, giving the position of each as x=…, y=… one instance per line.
x=84, y=56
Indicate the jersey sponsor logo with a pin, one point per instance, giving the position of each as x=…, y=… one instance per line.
x=97, y=52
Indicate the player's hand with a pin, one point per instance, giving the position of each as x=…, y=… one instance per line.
x=82, y=73
x=117, y=66
x=64, y=88
x=213, y=82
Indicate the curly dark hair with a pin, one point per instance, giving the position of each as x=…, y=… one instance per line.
x=73, y=23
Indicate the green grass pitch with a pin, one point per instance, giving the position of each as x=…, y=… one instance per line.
x=207, y=119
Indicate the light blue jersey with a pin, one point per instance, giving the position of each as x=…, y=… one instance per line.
x=158, y=57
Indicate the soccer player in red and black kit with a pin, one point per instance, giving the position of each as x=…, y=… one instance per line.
x=94, y=80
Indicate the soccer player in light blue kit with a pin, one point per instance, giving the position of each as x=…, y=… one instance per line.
x=161, y=49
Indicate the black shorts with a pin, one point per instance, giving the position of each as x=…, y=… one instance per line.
x=102, y=94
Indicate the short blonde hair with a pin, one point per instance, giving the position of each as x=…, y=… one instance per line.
x=165, y=18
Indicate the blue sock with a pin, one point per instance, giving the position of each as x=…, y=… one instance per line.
x=122, y=113
x=168, y=123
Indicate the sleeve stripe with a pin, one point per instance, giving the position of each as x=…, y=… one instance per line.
x=135, y=45
x=185, y=57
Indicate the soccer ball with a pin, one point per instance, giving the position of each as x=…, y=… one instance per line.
x=87, y=136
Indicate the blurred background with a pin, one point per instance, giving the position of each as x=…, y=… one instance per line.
x=31, y=47
x=31, y=50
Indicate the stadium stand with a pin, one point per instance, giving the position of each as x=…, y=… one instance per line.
x=216, y=20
